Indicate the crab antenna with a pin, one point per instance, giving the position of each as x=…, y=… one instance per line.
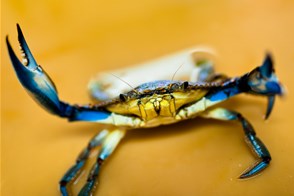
x=177, y=71
x=125, y=83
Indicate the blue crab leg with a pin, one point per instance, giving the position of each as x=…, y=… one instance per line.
x=76, y=169
x=108, y=146
x=254, y=142
x=42, y=89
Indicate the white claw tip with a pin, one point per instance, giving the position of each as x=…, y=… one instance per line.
x=25, y=61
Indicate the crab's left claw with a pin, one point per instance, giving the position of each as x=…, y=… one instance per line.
x=32, y=77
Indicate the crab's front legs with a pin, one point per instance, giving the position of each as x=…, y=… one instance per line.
x=254, y=142
x=106, y=141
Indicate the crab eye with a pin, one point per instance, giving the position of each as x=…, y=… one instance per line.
x=123, y=97
x=185, y=85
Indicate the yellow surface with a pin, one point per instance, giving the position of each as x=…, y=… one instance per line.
x=75, y=39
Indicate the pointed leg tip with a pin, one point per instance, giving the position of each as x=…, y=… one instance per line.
x=265, y=117
x=248, y=173
x=244, y=176
x=255, y=170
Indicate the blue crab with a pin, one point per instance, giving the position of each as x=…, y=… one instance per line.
x=148, y=105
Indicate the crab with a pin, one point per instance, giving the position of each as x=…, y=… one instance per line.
x=148, y=105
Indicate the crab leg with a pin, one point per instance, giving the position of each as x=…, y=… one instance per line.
x=254, y=142
x=109, y=144
x=76, y=169
x=106, y=141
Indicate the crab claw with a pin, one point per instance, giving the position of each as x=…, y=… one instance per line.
x=270, y=105
x=33, y=78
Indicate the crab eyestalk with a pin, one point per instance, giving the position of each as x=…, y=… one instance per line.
x=33, y=78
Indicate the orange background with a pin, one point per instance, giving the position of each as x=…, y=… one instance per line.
x=74, y=40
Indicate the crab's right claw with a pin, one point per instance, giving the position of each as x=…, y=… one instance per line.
x=33, y=78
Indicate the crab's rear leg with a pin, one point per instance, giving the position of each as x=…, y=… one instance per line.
x=76, y=169
x=254, y=142
x=106, y=141
x=108, y=146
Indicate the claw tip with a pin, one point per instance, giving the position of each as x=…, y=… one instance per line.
x=18, y=27
x=21, y=38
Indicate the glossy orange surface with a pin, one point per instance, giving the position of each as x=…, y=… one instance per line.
x=73, y=40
